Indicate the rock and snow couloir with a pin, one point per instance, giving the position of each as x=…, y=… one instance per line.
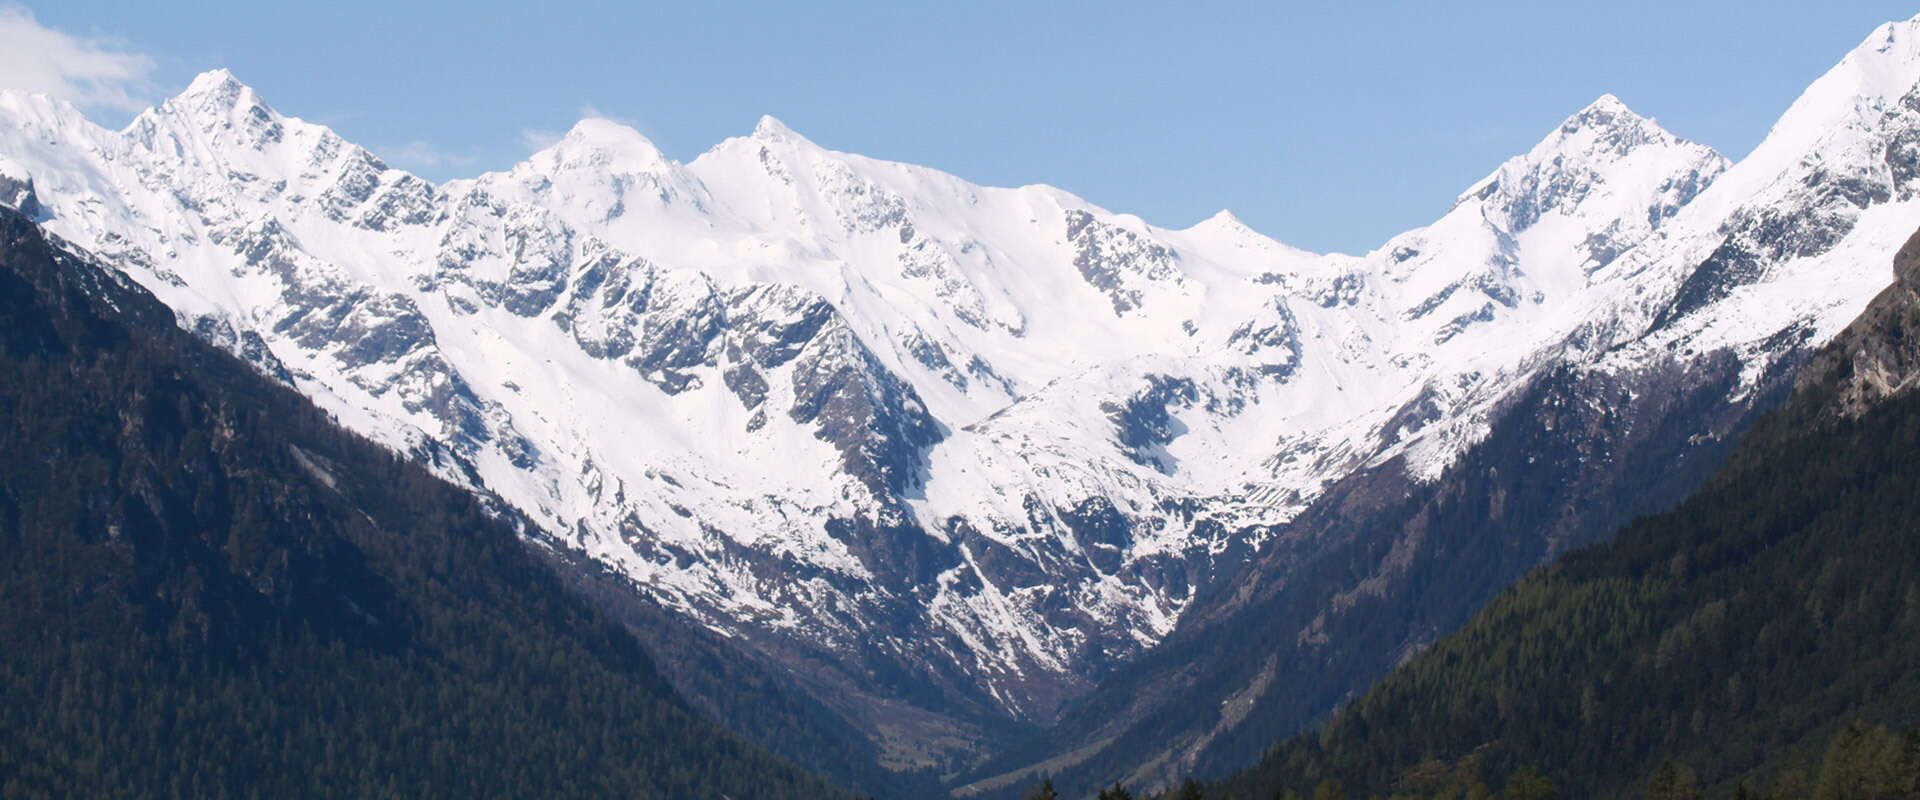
x=987, y=442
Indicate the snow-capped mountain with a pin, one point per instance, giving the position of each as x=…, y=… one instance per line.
x=959, y=447
x=1651, y=349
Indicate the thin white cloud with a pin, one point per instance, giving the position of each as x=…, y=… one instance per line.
x=423, y=155
x=88, y=72
x=589, y=112
x=537, y=139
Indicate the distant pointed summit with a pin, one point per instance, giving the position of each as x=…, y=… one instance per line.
x=1619, y=126
x=1608, y=102
x=608, y=141
x=217, y=87
x=218, y=93
x=1222, y=220
x=1606, y=112
x=218, y=81
x=1601, y=157
x=1874, y=76
x=1225, y=217
x=769, y=129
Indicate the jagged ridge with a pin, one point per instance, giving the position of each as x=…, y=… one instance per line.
x=966, y=446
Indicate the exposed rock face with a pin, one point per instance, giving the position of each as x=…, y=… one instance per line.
x=1878, y=356
x=1816, y=215
x=955, y=453
x=1118, y=261
x=1736, y=284
x=17, y=194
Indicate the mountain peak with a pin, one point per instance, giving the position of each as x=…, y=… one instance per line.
x=214, y=81
x=1608, y=101
x=218, y=92
x=1226, y=217
x=1226, y=227
x=1884, y=65
x=217, y=87
x=1222, y=220
x=613, y=141
x=1608, y=107
x=1604, y=143
x=769, y=129
x=1872, y=78
x=1609, y=114
x=1890, y=34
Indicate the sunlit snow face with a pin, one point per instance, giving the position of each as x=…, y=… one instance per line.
x=794, y=392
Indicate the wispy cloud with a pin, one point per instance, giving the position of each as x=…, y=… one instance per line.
x=423, y=155
x=537, y=139
x=590, y=112
x=88, y=72
x=540, y=139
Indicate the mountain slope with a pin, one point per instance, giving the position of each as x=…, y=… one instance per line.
x=213, y=590
x=1624, y=414
x=1736, y=634
x=953, y=455
x=1381, y=569
x=942, y=448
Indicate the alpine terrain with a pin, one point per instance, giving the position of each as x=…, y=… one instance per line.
x=214, y=591
x=1006, y=482
x=1693, y=332
x=1755, y=641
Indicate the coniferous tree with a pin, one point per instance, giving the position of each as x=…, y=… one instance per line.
x=211, y=590
x=1043, y=791
x=1734, y=634
x=1529, y=783
x=1866, y=762
x=1673, y=781
x=1330, y=789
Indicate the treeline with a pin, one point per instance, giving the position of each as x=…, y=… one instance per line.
x=1862, y=762
x=207, y=589
x=1762, y=639
x=1734, y=634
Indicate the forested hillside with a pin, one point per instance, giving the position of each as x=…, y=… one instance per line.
x=211, y=590
x=1762, y=639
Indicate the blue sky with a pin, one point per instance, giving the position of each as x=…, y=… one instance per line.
x=1327, y=125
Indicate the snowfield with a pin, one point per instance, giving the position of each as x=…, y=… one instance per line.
x=990, y=439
